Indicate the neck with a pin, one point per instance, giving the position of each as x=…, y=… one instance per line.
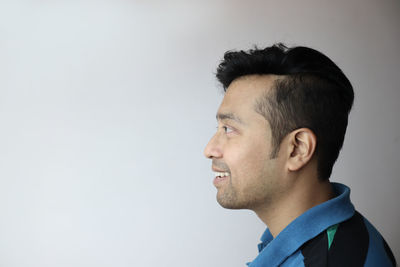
x=297, y=199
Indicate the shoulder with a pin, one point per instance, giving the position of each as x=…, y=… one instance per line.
x=355, y=242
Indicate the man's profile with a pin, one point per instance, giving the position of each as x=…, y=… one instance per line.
x=281, y=126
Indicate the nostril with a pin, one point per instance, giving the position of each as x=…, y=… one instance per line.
x=212, y=152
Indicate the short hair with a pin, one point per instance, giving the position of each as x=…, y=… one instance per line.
x=312, y=93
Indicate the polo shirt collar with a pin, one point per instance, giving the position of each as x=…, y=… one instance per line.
x=305, y=227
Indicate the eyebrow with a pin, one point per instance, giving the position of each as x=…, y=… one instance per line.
x=228, y=116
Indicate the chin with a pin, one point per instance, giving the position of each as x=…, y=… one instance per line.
x=230, y=204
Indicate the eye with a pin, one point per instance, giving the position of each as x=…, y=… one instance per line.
x=227, y=129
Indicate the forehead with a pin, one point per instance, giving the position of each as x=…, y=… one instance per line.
x=242, y=93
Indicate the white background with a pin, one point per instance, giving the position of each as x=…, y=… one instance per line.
x=106, y=106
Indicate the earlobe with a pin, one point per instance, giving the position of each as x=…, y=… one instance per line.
x=303, y=143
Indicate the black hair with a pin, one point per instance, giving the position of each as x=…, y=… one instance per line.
x=312, y=93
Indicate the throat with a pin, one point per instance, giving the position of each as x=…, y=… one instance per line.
x=279, y=214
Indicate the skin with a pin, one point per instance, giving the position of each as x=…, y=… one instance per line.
x=277, y=189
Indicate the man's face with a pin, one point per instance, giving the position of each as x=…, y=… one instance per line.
x=240, y=150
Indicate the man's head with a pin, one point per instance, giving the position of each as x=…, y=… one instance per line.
x=279, y=91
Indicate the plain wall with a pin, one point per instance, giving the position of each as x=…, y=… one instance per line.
x=106, y=106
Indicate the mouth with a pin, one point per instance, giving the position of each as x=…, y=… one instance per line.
x=220, y=177
x=221, y=174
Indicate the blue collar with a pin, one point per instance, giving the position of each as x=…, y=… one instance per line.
x=305, y=227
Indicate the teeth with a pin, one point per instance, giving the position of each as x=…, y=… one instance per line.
x=221, y=174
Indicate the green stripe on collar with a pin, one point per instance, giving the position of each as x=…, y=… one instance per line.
x=331, y=231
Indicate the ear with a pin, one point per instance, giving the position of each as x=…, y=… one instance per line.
x=302, y=145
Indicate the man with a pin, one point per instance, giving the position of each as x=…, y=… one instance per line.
x=281, y=126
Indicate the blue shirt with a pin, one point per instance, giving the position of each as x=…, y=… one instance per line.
x=295, y=244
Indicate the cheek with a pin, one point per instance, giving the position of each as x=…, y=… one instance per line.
x=247, y=161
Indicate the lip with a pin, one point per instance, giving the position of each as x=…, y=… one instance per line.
x=218, y=181
x=217, y=170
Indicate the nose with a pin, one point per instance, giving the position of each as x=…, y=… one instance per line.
x=213, y=148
